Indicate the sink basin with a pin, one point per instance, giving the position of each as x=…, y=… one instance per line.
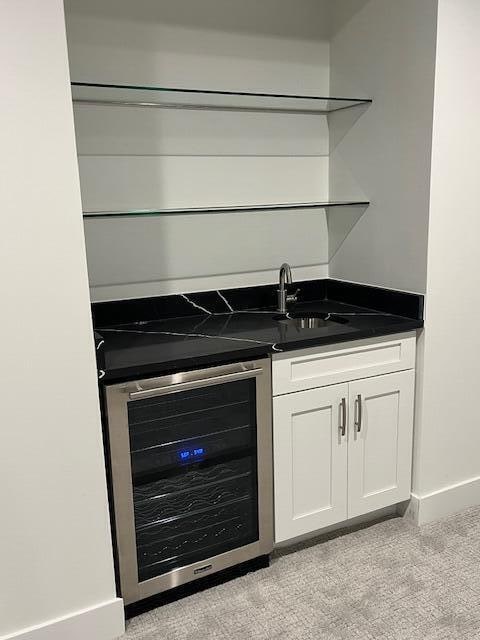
x=311, y=320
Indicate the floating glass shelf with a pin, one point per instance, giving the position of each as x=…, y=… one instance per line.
x=288, y=206
x=168, y=98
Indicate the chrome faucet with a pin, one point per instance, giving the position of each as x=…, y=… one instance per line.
x=284, y=298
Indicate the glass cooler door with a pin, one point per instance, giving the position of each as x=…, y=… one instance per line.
x=186, y=467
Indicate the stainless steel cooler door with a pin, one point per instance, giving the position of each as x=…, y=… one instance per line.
x=191, y=461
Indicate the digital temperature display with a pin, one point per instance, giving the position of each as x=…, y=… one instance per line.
x=191, y=454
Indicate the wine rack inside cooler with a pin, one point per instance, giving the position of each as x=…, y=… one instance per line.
x=194, y=472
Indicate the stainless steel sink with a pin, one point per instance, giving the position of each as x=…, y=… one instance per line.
x=308, y=320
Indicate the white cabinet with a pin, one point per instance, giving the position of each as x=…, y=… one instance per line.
x=310, y=460
x=333, y=364
x=341, y=450
x=380, y=441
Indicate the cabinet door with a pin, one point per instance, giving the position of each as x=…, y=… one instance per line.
x=310, y=460
x=380, y=441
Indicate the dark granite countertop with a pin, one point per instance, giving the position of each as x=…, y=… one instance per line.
x=218, y=331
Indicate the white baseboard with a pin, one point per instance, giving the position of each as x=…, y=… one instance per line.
x=105, y=621
x=444, y=502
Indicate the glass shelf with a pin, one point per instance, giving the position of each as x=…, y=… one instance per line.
x=289, y=206
x=168, y=98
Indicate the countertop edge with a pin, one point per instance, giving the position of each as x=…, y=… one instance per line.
x=113, y=376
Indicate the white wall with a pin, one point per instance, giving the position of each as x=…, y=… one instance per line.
x=145, y=158
x=384, y=49
x=55, y=547
x=447, y=452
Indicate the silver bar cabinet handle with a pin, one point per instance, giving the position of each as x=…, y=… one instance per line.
x=194, y=384
x=343, y=414
x=358, y=413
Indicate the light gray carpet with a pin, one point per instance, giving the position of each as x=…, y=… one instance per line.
x=389, y=581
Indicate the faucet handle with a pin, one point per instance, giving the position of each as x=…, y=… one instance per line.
x=293, y=297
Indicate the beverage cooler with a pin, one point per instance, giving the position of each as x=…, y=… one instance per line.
x=191, y=467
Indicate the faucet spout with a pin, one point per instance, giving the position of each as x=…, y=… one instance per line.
x=285, y=277
x=285, y=274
